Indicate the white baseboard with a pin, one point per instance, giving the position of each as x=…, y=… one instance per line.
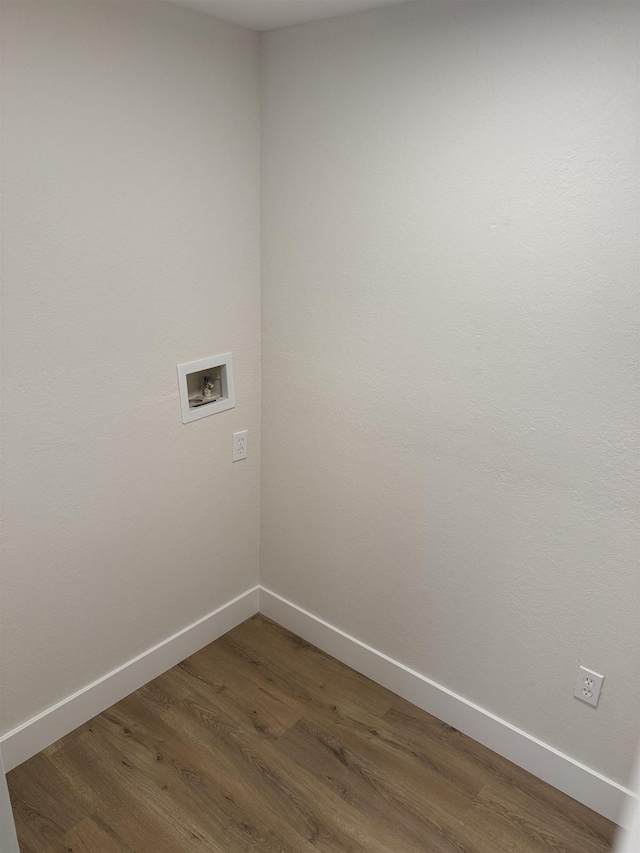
x=36, y=734
x=594, y=790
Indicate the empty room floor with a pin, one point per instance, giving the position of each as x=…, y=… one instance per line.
x=262, y=742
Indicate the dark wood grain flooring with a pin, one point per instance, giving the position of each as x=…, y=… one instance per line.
x=262, y=742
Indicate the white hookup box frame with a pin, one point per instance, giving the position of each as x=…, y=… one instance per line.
x=190, y=375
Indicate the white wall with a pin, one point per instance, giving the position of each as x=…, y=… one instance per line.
x=450, y=276
x=131, y=243
x=8, y=838
x=629, y=839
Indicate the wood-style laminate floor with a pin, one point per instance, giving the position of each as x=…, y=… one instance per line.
x=262, y=742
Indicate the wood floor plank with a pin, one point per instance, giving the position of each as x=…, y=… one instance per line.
x=261, y=742
x=299, y=669
x=133, y=829
x=290, y=691
x=422, y=767
x=77, y=767
x=416, y=728
x=87, y=837
x=261, y=708
x=45, y=806
x=318, y=815
x=198, y=785
x=449, y=785
x=509, y=821
x=121, y=787
x=303, y=658
x=414, y=822
x=445, y=782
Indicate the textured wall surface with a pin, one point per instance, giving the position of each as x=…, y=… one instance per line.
x=450, y=349
x=8, y=839
x=131, y=243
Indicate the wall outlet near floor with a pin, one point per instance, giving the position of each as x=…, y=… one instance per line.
x=240, y=440
x=588, y=686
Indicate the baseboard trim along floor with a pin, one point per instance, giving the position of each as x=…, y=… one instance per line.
x=36, y=734
x=589, y=787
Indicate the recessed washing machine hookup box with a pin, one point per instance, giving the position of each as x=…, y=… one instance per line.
x=206, y=387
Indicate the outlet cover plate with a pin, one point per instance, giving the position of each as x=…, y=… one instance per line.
x=240, y=445
x=588, y=686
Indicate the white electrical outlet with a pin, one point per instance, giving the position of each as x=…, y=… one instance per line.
x=240, y=440
x=588, y=686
